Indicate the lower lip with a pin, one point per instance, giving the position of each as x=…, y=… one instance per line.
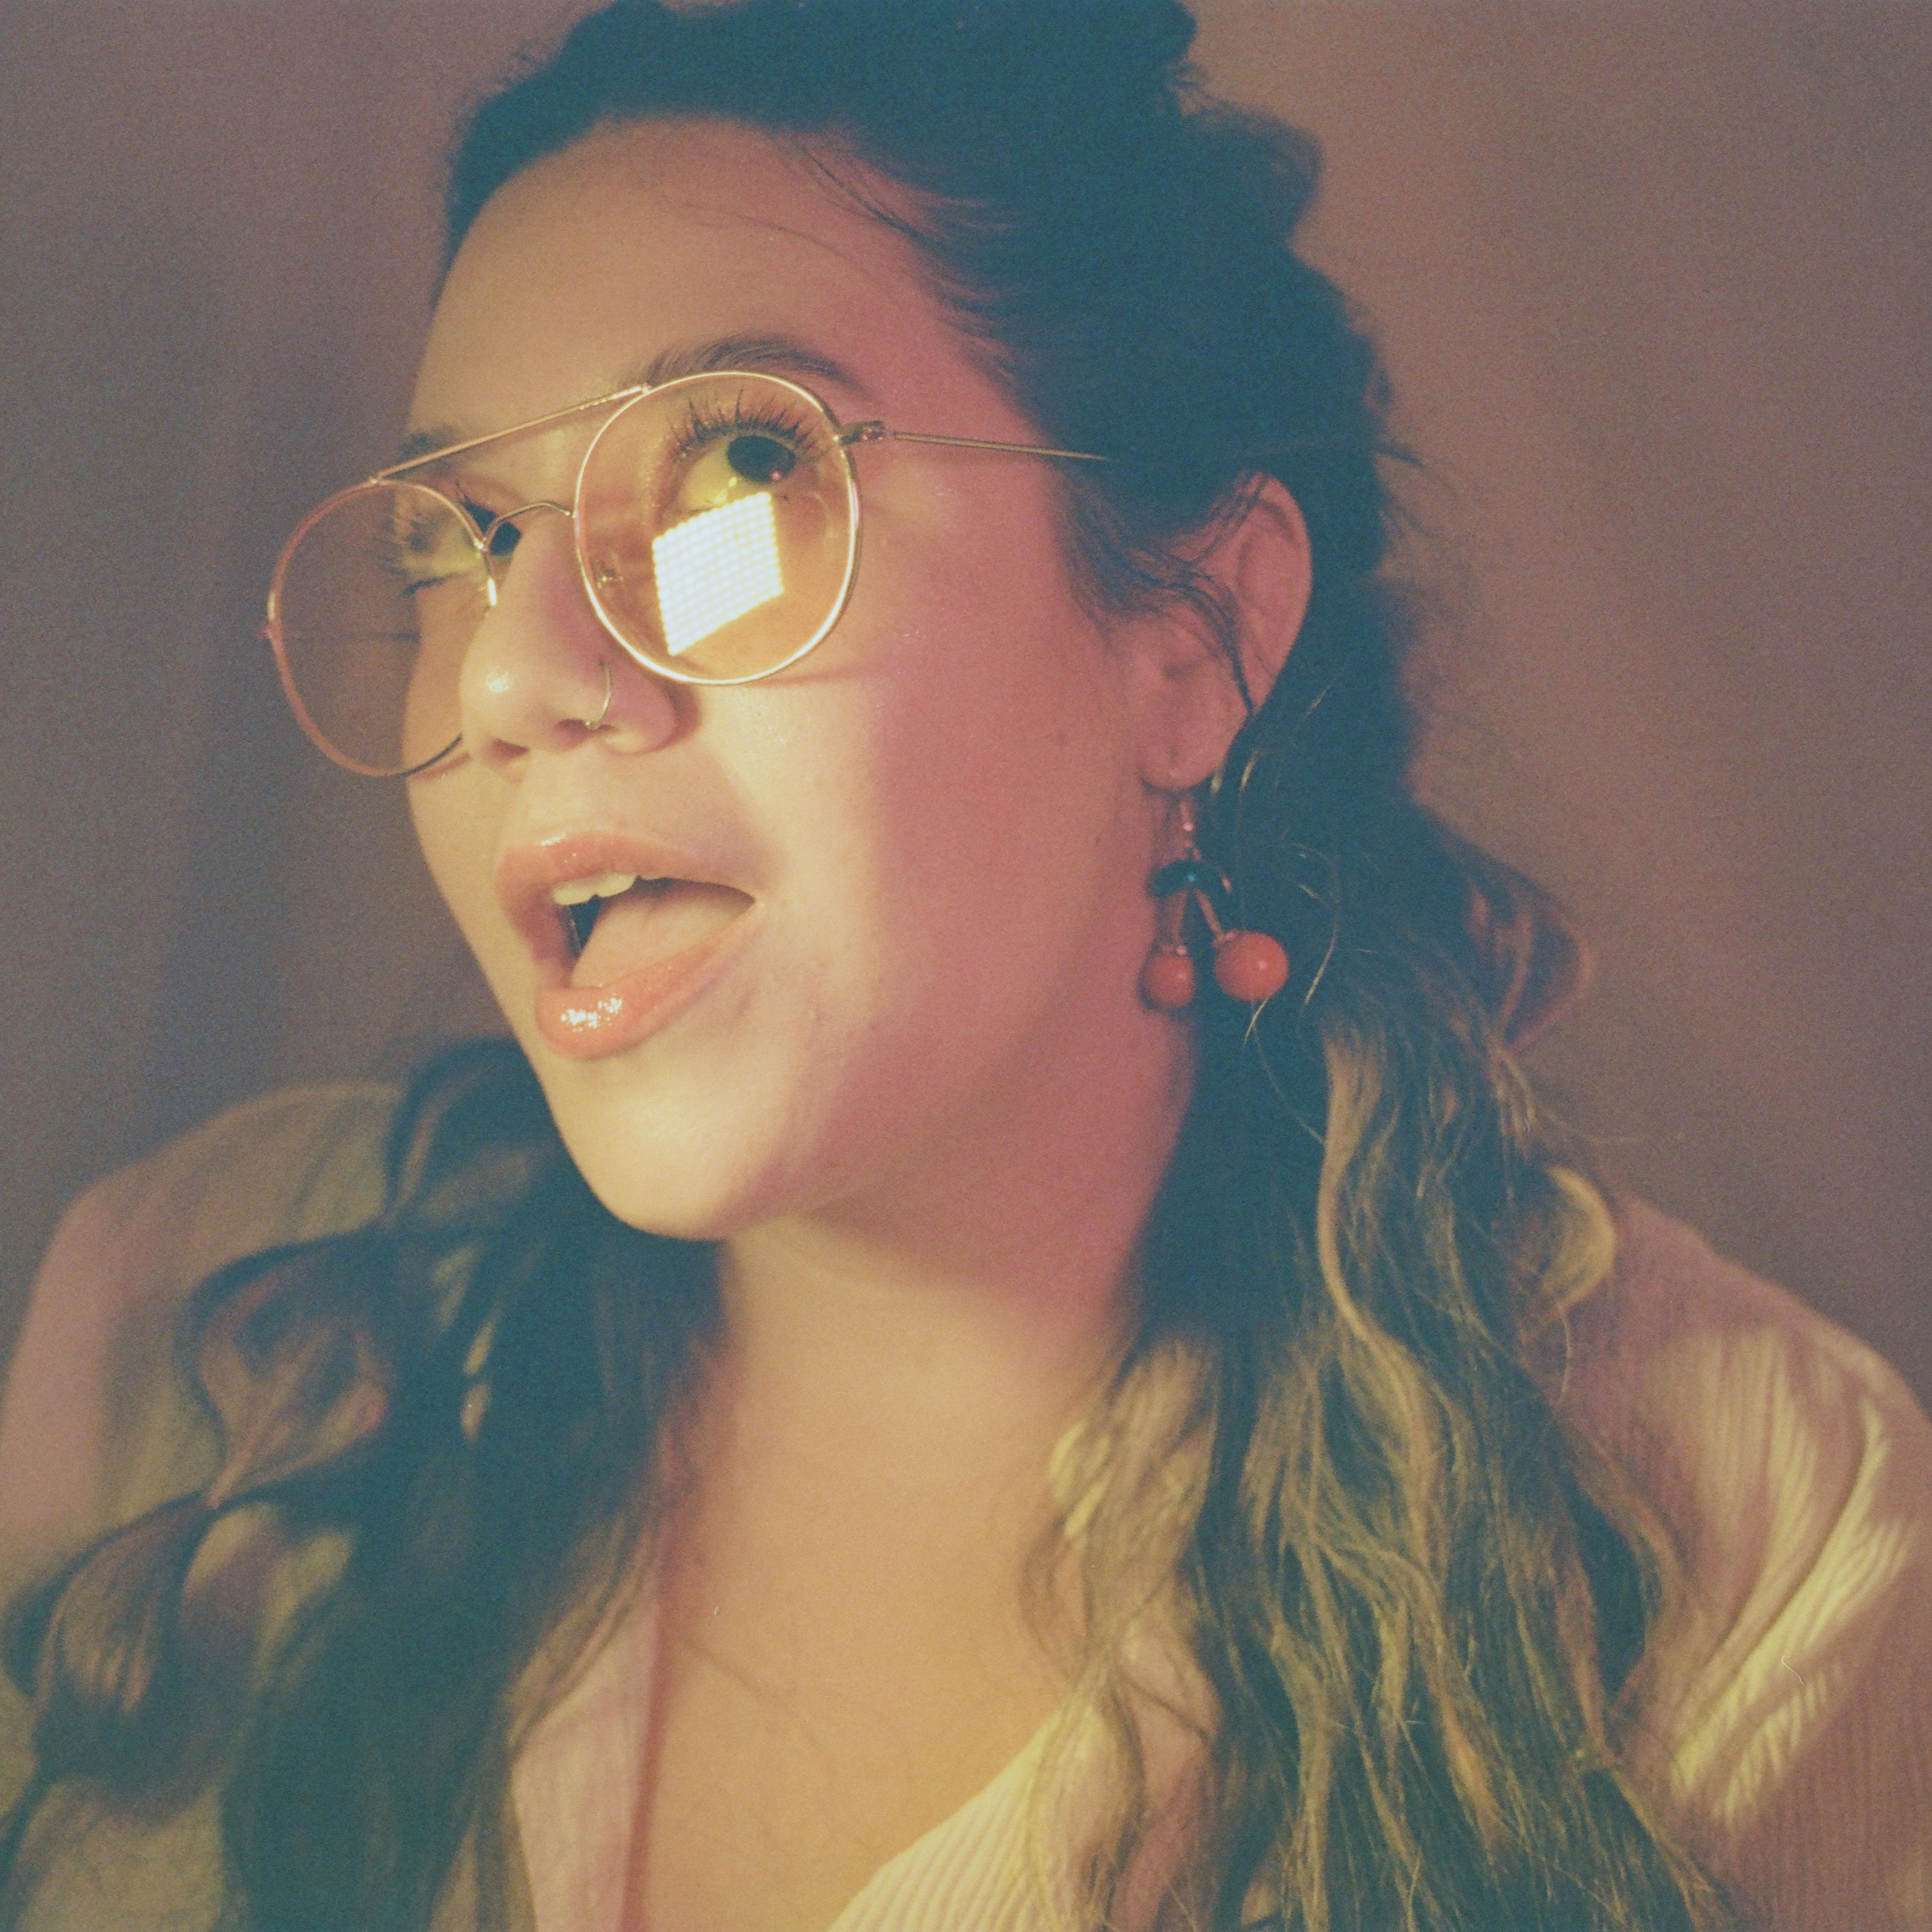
x=588, y=1022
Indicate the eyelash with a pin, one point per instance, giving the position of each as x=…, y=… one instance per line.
x=404, y=548
x=704, y=426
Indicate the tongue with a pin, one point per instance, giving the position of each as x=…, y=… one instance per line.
x=652, y=921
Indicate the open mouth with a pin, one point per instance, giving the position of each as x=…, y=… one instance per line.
x=616, y=923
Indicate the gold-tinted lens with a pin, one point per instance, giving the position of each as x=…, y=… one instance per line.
x=715, y=523
x=377, y=598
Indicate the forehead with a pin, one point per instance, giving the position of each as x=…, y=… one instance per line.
x=664, y=237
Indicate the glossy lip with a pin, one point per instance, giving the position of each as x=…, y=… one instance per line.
x=588, y=1022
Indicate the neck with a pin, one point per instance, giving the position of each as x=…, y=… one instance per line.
x=949, y=1327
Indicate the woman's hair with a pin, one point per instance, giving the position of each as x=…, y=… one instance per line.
x=1418, y=1604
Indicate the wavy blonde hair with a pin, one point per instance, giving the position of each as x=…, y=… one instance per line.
x=1414, y=1601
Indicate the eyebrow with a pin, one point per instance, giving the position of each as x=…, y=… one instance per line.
x=782, y=354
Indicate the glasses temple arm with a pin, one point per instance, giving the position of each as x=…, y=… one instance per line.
x=877, y=432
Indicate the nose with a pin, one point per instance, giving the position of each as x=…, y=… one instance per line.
x=533, y=677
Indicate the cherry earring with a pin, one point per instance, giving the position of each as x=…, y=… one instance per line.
x=1168, y=979
x=1250, y=966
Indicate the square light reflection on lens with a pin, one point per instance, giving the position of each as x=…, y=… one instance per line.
x=714, y=567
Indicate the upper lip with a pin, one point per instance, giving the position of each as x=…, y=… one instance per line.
x=526, y=872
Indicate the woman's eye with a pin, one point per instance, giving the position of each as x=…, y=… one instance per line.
x=723, y=465
x=422, y=551
x=760, y=459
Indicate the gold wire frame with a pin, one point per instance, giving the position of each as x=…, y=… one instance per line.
x=274, y=632
x=843, y=439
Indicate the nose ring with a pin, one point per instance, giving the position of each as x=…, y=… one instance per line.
x=603, y=710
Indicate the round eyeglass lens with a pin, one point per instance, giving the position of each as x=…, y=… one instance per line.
x=377, y=598
x=716, y=524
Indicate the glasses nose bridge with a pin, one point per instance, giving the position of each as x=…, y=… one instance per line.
x=498, y=561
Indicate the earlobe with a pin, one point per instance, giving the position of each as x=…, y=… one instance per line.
x=1257, y=564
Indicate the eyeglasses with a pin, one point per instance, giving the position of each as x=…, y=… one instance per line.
x=716, y=525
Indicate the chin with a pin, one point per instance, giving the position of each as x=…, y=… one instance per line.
x=661, y=1164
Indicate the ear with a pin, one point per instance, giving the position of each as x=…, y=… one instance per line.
x=1188, y=703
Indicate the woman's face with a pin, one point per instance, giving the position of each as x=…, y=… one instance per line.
x=915, y=862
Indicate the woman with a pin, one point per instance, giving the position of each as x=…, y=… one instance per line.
x=1009, y=1346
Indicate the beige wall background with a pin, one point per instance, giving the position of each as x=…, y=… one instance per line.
x=1653, y=280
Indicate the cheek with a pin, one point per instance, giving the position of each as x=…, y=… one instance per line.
x=1005, y=759
x=989, y=782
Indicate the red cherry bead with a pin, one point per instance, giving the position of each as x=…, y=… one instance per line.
x=1250, y=966
x=1167, y=980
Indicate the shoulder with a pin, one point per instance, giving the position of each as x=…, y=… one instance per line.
x=291, y=1166
x=1728, y=1389
x=1787, y=1703
x=94, y=1424
x=1769, y=1437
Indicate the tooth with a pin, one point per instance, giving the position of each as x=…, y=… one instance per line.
x=603, y=885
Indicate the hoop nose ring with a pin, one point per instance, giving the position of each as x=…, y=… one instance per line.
x=603, y=710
